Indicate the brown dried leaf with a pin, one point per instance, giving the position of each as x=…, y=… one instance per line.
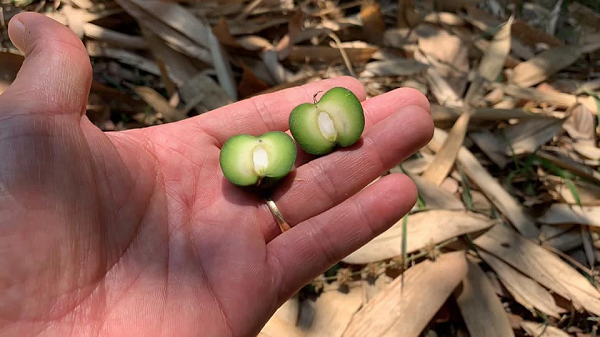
x=492, y=145
x=423, y=229
x=397, y=67
x=535, y=329
x=493, y=59
x=393, y=312
x=332, y=311
x=527, y=136
x=11, y=63
x=373, y=24
x=287, y=42
x=544, y=65
x=447, y=54
x=96, y=50
x=445, y=157
x=202, y=88
x=526, y=291
x=481, y=309
x=581, y=125
x=541, y=265
x=571, y=214
x=436, y=197
x=159, y=104
x=250, y=84
x=325, y=54
x=505, y=202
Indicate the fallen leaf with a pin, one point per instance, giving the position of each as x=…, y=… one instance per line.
x=434, y=196
x=393, y=312
x=401, y=67
x=535, y=329
x=541, y=265
x=571, y=214
x=250, y=84
x=285, y=45
x=526, y=291
x=159, y=103
x=505, y=202
x=423, y=229
x=581, y=125
x=527, y=136
x=373, y=24
x=325, y=54
x=481, y=309
x=544, y=65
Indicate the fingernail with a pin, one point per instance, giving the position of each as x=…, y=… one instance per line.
x=16, y=32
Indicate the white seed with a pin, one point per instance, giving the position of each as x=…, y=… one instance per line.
x=260, y=159
x=326, y=127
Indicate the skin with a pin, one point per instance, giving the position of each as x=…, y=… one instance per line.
x=138, y=233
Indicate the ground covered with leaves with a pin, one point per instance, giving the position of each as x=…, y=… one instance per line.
x=505, y=237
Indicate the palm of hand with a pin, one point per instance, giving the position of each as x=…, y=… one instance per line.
x=138, y=232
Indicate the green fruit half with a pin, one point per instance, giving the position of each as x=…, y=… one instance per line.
x=257, y=161
x=337, y=119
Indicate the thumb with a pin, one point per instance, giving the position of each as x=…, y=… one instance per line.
x=56, y=75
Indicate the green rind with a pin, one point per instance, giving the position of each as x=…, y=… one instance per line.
x=304, y=127
x=236, y=160
x=347, y=114
x=281, y=151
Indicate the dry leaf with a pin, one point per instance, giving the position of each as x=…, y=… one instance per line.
x=96, y=50
x=435, y=197
x=544, y=65
x=492, y=145
x=325, y=54
x=11, y=63
x=566, y=241
x=332, y=313
x=250, y=84
x=113, y=37
x=159, y=104
x=493, y=59
x=445, y=157
x=526, y=291
x=568, y=163
x=581, y=126
x=441, y=113
x=285, y=45
x=398, y=67
x=203, y=89
x=510, y=207
x=423, y=229
x=535, y=329
x=447, y=54
x=527, y=136
x=541, y=265
x=403, y=308
x=589, y=151
x=481, y=309
x=571, y=214
x=445, y=18
x=373, y=24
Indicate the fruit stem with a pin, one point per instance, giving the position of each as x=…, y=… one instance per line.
x=315, y=96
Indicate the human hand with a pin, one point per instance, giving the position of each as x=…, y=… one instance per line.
x=138, y=233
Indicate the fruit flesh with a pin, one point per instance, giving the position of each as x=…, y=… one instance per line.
x=336, y=119
x=247, y=160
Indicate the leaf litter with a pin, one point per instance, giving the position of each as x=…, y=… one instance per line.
x=504, y=237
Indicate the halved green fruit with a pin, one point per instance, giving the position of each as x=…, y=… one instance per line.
x=337, y=119
x=260, y=161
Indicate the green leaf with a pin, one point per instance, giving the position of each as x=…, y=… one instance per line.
x=573, y=190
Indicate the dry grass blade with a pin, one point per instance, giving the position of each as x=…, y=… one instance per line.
x=393, y=312
x=541, y=265
x=512, y=209
x=332, y=311
x=544, y=65
x=423, y=229
x=481, y=309
x=445, y=157
x=535, y=329
x=526, y=291
x=571, y=214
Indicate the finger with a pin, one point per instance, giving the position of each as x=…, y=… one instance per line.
x=56, y=75
x=300, y=254
x=329, y=180
x=379, y=108
x=268, y=112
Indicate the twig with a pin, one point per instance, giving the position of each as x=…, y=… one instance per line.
x=338, y=42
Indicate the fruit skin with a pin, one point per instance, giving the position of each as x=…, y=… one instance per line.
x=236, y=158
x=344, y=109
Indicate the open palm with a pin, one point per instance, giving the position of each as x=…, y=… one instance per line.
x=137, y=232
